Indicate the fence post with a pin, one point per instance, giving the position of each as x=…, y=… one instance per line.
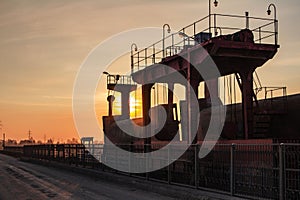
x=130, y=158
x=76, y=155
x=54, y=150
x=281, y=171
x=169, y=166
x=232, y=175
x=196, y=166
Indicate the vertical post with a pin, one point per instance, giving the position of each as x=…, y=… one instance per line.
x=3, y=140
x=169, y=165
x=54, y=150
x=209, y=18
x=170, y=100
x=131, y=63
x=76, y=155
x=196, y=165
x=215, y=25
x=146, y=98
x=125, y=102
x=276, y=31
x=172, y=50
x=281, y=172
x=247, y=20
x=69, y=153
x=130, y=158
x=153, y=51
x=147, y=165
x=188, y=100
x=247, y=102
x=138, y=62
x=259, y=31
x=232, y=175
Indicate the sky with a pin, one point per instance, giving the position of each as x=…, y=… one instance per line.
x=44, y=43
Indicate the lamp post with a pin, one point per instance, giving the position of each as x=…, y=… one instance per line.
x=133, y=48
x=110, y=97
x=163, y=41
x=275, y=20
x=209, y=13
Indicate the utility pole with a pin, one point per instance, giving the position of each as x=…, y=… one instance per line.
x=29, y=136
x=3, y=140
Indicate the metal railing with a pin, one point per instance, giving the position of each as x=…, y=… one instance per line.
x=263, y=29
x=270, y=171
x=273, y=98
x=119, y=79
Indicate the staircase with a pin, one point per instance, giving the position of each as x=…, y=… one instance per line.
x=261, y=125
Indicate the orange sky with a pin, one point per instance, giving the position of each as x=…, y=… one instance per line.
x=43, y=44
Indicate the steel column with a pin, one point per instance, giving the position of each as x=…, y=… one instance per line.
x=146, y=98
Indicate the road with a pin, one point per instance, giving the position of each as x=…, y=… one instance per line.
x=26, y=181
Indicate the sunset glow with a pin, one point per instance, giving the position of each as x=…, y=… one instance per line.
x=43, y=45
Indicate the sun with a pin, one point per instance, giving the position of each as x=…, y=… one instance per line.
x=135, y=105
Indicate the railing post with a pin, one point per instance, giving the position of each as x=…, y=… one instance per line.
x=172, y=44
x=247, y=20
x=215, y=24
x=153, y=52
x=131, y=63
x=232, y=175
x=196, y=166
x=281, y=172
x=147, y=163
x=84, y=156
x=259, y=31
x=138, y=62
x=54, y=150
x=146, y=57
x=169, y=166
x=76, y=155
x=130, y=158
x=276, y=31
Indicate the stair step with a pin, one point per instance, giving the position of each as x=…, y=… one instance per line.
x=259, y=135
x=262, y=125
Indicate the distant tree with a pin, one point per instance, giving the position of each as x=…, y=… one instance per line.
x=50, y=141
x=39, y=142
x=74, y=141
x=11, y=142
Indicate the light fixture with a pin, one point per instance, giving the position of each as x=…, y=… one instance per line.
x=216, y=3
x=181, y=34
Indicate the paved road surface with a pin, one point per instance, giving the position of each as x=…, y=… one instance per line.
x=26, y=181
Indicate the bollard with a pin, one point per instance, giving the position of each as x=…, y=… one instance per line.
x=281, y=172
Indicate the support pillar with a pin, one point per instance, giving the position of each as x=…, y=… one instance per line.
x=170, y=100
x=247, y=102
x=146, y=98
x=125, y=107
x=110, y=100
x=125, y=90
x=192, y=113
x=213, y=84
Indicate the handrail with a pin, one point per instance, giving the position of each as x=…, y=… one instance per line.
x=173, y=44
x=120, y=79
